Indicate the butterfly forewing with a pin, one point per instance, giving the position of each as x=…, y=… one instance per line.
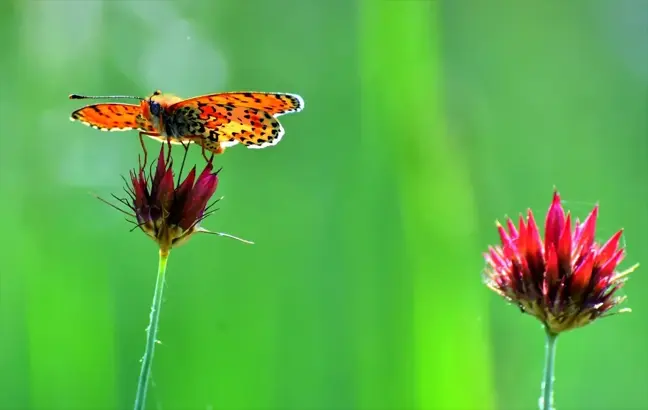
x=275, y=104
x=112, y=117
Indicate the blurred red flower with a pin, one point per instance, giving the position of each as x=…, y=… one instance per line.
x=566, y=281
x=166, y=212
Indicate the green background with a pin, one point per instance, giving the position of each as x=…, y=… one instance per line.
x=424, y=122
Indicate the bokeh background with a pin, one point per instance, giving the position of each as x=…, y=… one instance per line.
x=425, y=121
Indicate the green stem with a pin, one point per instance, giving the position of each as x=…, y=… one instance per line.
x=151, y=333
x=546, y=401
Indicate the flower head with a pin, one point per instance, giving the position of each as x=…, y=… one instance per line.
x=566, y=281
x=167, y=212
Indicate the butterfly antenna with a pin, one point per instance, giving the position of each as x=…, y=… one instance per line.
x=103, y=97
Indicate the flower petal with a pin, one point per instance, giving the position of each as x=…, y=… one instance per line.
x=565, y=247
x=609, y=267
x=165, y=191
x=180, y=197
x=551, y=278
x=513, y=233
x=160, y=171
x=197, y=200
x=495, y=259
x=608, y=249
x=505, y=239
x=534, y=248
x=585, y=237
x=581, y=276
x=554, y=223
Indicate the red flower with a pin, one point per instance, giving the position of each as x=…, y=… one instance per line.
x=568, y=280
x=167, y=213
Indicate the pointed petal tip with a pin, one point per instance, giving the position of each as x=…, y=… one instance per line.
x=507, y=219
x=596, y=208
x=593, y=215
x=617, y=235
x=161, y=155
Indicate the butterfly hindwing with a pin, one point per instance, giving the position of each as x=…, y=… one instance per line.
x=226, y=124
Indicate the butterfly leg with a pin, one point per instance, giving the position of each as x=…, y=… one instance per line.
x=184, y=158
x=208, y=146
x=168, y=158
x=202, y=149
x=218, y=150
x=212, y=146
x=141, y=136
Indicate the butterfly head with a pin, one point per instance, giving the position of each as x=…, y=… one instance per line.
x=155, y=106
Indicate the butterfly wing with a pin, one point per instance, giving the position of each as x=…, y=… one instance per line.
x=112, y=117
x=226, y=124
x=275, y=104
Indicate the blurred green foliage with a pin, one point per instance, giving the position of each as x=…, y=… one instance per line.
x=424, y=122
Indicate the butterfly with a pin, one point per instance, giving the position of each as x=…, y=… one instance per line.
x=213, y=121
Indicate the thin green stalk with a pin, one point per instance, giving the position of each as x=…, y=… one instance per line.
x=546, y=400
x=151, y=333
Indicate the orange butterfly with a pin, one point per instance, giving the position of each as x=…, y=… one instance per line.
x=213, y=121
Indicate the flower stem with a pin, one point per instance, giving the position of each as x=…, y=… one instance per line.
x=546, y=400
x=151, y=333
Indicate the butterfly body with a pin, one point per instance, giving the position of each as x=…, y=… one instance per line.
x=213, y=121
